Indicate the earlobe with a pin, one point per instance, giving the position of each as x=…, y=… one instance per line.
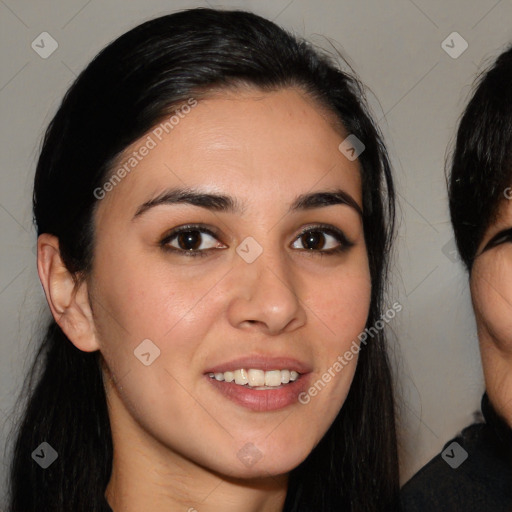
x=68, y=300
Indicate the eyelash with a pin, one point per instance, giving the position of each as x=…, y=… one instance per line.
x=345, y=244
x=499, y=238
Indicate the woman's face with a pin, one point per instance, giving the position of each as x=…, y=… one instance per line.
x=491, y=291
x=256, y=297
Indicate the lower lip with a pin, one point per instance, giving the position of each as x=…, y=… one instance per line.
x=262, y=400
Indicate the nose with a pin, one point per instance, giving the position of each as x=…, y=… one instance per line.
x=265, y=295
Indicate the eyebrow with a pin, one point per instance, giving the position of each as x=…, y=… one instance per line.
x=228, y=204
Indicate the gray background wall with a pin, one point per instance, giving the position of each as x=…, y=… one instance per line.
x=396, y=48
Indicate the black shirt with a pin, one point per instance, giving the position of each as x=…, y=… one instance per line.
x=473, y=473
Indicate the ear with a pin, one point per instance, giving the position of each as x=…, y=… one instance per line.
x=68, y=301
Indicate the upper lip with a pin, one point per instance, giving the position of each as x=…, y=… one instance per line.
x=260, y=362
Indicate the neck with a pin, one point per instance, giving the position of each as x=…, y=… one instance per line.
x=147, y=475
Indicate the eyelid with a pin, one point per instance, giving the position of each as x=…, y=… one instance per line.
x=502, y=236
x=193, y=227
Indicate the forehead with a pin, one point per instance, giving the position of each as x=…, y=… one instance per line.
x=262, y=146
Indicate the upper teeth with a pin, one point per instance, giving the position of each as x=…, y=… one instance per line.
x=257, y=378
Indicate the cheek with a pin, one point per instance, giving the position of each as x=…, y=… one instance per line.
x=491, y=290
x=164, y=311
x=151, y=301
x=338, y=307
x=153, y=311
x=341, y=303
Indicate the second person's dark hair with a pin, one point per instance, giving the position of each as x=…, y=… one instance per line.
x=126, y=90
x=481, y=167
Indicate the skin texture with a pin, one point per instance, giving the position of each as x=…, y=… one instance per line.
x=491, y=292
x=176, y=438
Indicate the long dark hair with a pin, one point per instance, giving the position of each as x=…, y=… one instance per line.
x=125, y=91
x=481, y=163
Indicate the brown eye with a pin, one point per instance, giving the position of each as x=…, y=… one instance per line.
x=326, y=240
x=313, y=240
x=191, y=241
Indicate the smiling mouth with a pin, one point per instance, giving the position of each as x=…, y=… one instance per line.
x=257, y=379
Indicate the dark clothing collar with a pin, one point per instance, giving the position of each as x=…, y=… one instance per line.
x=502, y=431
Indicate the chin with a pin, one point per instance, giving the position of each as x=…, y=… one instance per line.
x=260, y=470
x=251, y=463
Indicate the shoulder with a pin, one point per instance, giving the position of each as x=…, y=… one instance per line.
x=470, y=474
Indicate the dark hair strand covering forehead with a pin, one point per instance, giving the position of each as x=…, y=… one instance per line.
x=481, y=168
